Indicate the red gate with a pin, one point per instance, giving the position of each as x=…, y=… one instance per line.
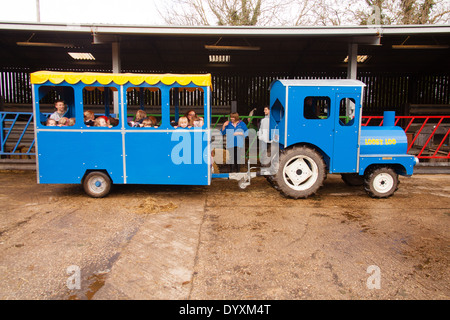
x=428, y=136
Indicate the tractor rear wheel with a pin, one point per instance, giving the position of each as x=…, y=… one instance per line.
x=380, y=182
x=301, y=172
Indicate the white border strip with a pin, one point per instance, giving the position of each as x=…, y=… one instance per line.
x=286, y=117
x=124, y=156
x=359, y=130
x=208, y=125
x=33, y=94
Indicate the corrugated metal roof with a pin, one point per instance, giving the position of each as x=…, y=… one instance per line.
x=231, y=30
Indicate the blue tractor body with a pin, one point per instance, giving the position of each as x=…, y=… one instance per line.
x=325, y=116
x=334, y=127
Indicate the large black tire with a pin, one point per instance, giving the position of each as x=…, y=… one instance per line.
x=271, y=181
x=353, y=179
x=97, y=184
x=301, y=172
x=380, y=182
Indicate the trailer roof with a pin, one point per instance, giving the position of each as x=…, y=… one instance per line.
x=40, y=77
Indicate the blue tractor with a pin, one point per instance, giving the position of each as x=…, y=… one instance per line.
x=316, y=124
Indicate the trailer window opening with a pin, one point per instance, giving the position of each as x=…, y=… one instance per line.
x=187, y=107
x=347, y=111
x=277, y=111
x=97, y=103
x=56, y=106
x=316, y=107
x=144, y=107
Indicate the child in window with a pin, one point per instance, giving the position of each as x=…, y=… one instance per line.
x=71, y=122
x=113, y=121
x=140, y=116
x=155, y=122
x=51, y=122
x=102, y=121
x=61, y=110
x=147, y=123
x=89, y=118
x=198, y=121
x=183, y=122
x=63, y=122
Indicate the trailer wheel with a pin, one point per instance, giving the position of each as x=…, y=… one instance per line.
x=97, y=184
x=301, y=172
x=353, y=179
x=381, y=182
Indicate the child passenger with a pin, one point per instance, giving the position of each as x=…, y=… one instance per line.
x=147, y=123
x=63, y=122
x=102, y=121
x=183, y=122
x=198, y=121
x=140, y=116
x=51, y=122
x=61, y=110
x=89, y=118
x=113, y=121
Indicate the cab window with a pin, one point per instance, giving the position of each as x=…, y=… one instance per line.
x=316, y=107
x=347, y=111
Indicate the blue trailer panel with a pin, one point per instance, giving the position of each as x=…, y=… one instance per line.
x=65, y=157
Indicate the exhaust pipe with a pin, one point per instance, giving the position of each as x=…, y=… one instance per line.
x=389, y=118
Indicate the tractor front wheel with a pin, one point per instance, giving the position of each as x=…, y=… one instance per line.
x=380, y=182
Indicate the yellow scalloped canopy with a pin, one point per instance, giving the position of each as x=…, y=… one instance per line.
x=201, y=80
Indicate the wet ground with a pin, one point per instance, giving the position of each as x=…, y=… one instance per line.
x=220, y=242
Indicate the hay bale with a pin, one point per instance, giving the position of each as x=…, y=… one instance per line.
x=152, y=206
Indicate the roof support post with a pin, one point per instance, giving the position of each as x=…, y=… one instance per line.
x=352, y=67
x=116, y=69
x=38, y=11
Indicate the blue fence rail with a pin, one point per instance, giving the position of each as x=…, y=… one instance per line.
x=17, y=135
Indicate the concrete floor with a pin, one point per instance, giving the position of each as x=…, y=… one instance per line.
x=222, y=243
